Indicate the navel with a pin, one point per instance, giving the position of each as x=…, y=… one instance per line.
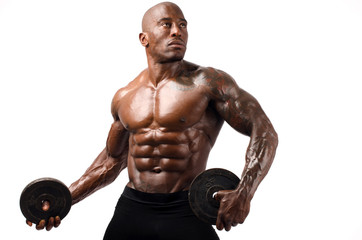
x=156, y=170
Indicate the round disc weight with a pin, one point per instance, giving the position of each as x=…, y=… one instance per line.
x=203, y=188
x=45, y=189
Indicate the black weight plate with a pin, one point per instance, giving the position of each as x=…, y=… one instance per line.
x=203, y=188
x=45, y=189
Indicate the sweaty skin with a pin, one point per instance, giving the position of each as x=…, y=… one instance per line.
x=167, y=120
x=170, y=136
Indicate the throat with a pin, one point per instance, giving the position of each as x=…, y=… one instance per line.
x=160, y=71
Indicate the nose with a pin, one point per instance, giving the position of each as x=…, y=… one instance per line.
x=175, y=31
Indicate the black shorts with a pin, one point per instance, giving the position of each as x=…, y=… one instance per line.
x=140, y=215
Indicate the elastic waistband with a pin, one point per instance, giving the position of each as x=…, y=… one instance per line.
x=155, y=198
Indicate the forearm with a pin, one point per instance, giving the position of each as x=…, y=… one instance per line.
x=259, y=158
x=103, y=171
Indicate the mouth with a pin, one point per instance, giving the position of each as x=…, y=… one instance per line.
x=176, y=43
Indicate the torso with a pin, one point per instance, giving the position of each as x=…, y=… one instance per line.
x=172, y=127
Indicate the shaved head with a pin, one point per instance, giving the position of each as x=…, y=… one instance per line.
x=164, y=33
x=155, y=12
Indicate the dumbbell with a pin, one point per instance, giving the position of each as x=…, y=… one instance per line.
x=203, y=189
x=43, y=190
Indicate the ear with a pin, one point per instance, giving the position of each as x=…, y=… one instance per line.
x=144, y=39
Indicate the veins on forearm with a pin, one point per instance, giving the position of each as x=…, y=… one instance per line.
x=102, y=172
x=259, y=158
x=243, y=112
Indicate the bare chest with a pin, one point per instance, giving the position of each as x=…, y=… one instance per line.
x=170, y=105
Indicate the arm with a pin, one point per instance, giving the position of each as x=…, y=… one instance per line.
x=108, y=165
x=243, y=112
x=103, y=171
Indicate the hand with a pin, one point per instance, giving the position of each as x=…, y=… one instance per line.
x=52, y=221
x=234, y=208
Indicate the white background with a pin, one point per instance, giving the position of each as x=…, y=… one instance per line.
x=62, y=61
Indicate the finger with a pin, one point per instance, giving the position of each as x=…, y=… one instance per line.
x=242, y=220
x=50, y=224
x=219, y=223
x=244, y=215
x=29, y=223
x=227, y=222
x=45, y=206
x=40, y=225
x=228, y=227
x=57, y=221
x=219, y=195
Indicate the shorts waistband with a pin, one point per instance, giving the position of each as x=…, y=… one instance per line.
x=155, y=198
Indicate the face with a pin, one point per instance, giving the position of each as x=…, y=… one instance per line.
x=165, y=33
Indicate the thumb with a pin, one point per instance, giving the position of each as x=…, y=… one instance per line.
x=220, y=194
x=29, y=223
x=45, y=206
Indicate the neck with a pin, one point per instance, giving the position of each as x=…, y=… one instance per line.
x=158, y=71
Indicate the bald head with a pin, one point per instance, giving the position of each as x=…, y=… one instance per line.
x=158, y=11
x=164, y=33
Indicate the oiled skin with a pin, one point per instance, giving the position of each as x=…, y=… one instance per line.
x=167, y=120
x=170, y=135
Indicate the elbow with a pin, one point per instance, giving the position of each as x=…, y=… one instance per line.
x=271, y=138
x=268, y=133
x=275, y=138
x=271, y=134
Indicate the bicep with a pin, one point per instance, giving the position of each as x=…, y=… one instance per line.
x=118, y=136
x=236, y=106
x=240, y=110
x=117, y=141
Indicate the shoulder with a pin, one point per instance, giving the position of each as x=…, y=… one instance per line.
x=122, y=92
x=132, y=85
x=212, y=75
x=219, y=83
x=206, y=75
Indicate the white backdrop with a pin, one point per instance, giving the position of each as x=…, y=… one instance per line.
x=62, y=61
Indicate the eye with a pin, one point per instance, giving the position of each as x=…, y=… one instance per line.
x=183, y=25
x=166, y=24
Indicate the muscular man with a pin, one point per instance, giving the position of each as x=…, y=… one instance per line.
x=165, y=123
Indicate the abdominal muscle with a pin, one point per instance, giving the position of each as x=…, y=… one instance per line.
x=162, y=161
